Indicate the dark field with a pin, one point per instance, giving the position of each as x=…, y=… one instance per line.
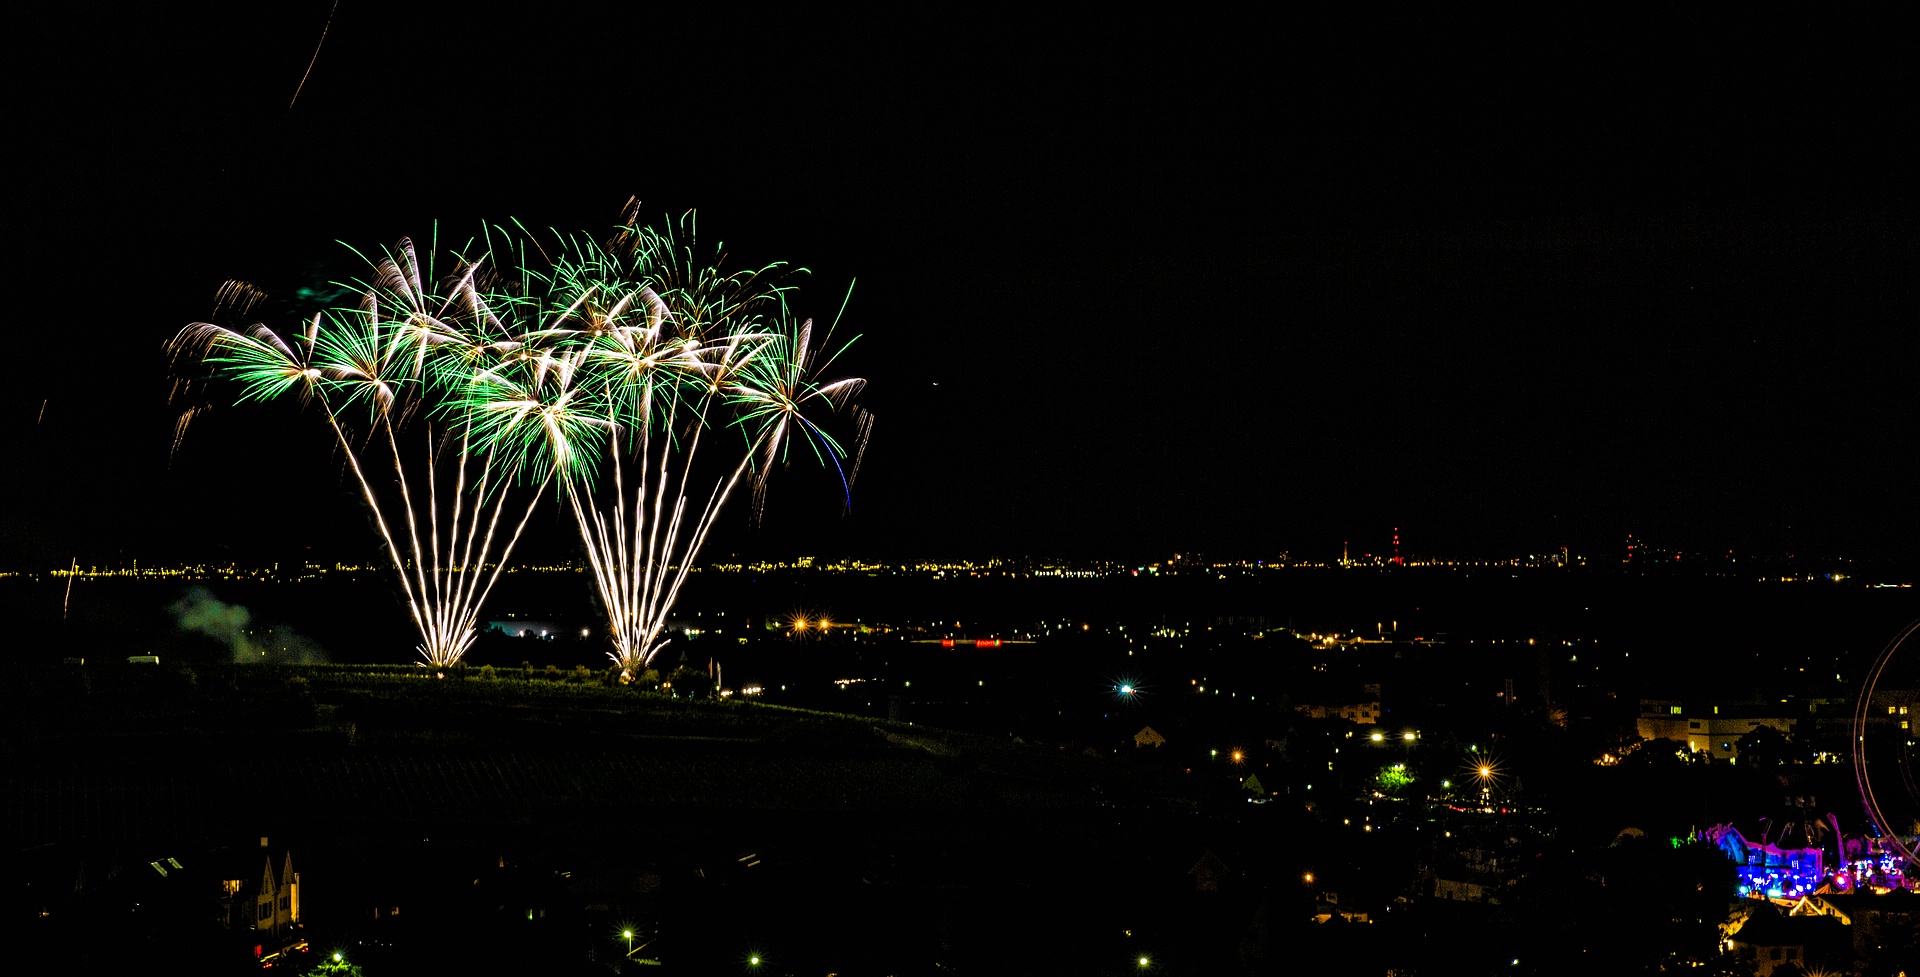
x=471, y=803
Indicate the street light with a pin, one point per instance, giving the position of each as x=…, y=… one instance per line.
x=629, y=935
x=1144, y=962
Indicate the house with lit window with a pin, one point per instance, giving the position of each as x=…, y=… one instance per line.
x=259, y=898
x=1769, y=939
x=1354, y=712
x=1715, y=728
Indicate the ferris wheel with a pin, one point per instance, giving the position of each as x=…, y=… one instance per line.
x=1882, y=732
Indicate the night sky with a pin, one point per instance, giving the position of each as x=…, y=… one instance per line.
x=1125, y=286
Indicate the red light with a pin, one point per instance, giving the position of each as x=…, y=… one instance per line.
x=986, y=642
x=946, y=642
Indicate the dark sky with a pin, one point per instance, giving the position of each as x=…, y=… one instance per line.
x=1125, y=286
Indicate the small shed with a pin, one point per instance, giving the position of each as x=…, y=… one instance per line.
x=1208, y=872
x=1148, y=736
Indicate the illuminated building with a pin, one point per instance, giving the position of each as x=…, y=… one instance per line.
x=1769, y=939
x=1354, y=712
x=260, y=900
x=1715, y=729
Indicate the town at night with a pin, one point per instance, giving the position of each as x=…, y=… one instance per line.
x=598, y=490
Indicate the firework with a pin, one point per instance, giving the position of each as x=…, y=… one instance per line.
x=373, y=373
x=635, y=357
x=606, y=370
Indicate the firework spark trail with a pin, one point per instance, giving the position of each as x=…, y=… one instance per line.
x=863, y=432
x=73, y=570
x=316, y=55
x=180, y=431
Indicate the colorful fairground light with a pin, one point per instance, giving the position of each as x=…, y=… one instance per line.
x=1878, y=866
x=1887, y=860
x=1831, y=861
x=1767, y=870
x=1853, y=863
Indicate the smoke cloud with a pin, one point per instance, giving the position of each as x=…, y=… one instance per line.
x=232, y=625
